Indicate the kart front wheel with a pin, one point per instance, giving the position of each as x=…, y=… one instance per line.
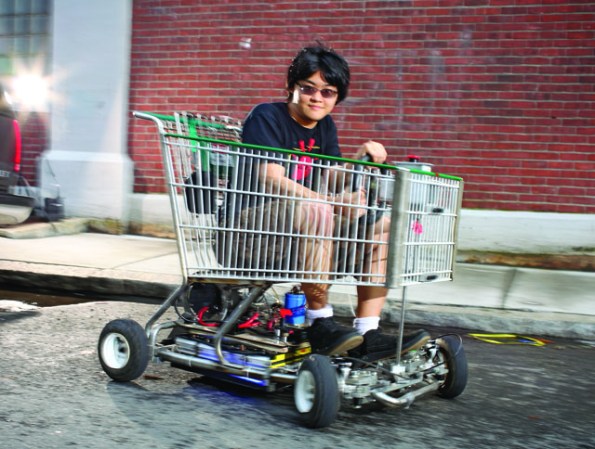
x=123, y=350
x=316, y=392
x=452, y=354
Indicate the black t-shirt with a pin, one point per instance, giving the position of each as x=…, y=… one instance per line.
x=269, y=124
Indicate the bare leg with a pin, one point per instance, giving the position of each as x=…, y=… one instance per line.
x=371, y=299
x=315, y=225
x=316, y=295
x=316, y=220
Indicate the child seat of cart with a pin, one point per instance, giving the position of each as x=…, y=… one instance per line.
x=200, y=175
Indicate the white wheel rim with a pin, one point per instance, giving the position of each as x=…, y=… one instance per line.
x=115, y=351
x=304, y=391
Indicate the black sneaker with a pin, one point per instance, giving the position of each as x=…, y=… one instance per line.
x=378, y=346
x=329, y=338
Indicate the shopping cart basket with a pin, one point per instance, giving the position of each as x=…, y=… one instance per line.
x=239, y=232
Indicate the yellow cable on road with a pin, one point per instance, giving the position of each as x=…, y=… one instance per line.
x=510, y=339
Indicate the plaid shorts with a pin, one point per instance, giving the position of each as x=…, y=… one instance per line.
x=266, y=238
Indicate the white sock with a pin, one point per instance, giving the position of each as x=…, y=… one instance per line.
x=325, y=312
x=363, y=325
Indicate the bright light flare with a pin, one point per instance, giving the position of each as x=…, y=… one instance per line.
x=31, y=92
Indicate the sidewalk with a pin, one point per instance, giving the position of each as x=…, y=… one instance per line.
x=484, y=298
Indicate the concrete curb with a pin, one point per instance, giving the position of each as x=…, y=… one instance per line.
x=67, y=226
x=489, y=320
x=89, y=280
x=130, y=283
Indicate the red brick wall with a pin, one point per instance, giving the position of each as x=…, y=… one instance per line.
x=499, y=92
x=35, y=136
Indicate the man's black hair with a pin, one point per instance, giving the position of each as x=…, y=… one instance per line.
x=333, y=68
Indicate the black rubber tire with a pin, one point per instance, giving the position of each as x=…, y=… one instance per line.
x=453, y=355
x=316, y=392
x=123, y=350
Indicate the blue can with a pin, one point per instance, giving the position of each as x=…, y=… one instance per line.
x=296, y=302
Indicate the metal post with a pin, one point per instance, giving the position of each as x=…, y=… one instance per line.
x=401, y=327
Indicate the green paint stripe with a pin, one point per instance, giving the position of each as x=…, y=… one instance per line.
x=300, y=153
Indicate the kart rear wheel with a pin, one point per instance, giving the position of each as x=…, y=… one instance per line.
x=316, y=392
x=453, y=356
x=123, y=350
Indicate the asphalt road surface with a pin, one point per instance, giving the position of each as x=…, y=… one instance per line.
x=55, y=395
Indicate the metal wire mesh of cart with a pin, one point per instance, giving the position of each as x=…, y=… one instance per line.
x=329, y=223
x=425, y=225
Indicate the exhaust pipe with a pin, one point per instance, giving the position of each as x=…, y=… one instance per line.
x=407, y=399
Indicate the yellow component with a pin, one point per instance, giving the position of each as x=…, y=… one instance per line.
x=508, y=339
x=291, y=357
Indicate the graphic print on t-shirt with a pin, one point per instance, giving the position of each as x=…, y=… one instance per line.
x=304, y=166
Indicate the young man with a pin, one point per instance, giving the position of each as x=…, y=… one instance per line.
x=317, y=80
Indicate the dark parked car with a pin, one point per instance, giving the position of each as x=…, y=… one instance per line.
x=14, y=208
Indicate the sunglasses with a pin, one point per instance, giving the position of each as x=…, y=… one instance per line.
x=311, y=90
